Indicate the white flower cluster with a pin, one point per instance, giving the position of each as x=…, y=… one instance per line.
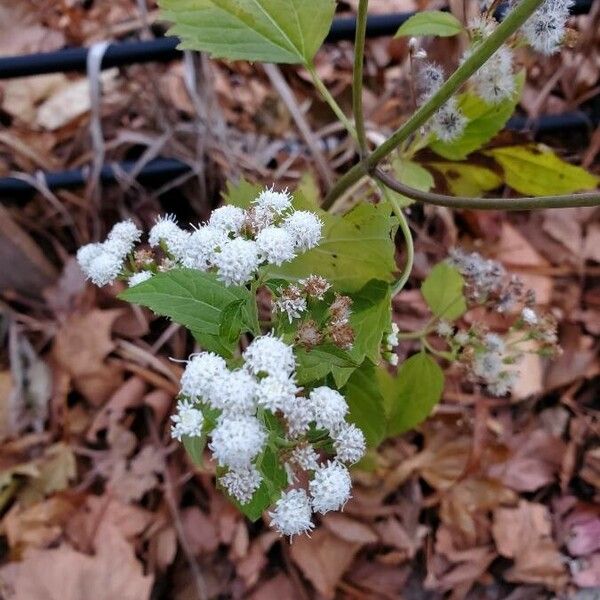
x=103, y=262
x=546, y=28
x=391, y=341
x=234, y=242
x=490, y=364
x=448, y=123
x=240, y=399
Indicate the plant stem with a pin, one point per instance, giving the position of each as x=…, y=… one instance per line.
x=516, y=17
x=523, y=203
x=357, y=77
x=335, y=107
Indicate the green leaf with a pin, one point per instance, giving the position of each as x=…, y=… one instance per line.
x=366, y=403
x=412, y=394
x=412, y=174
x=278, y=31
x=485, y=121
x=467, y=180
x=193, y=299
x=232, y=321
x=195, y=447
x=536, y=171
x=315, y=364
x=355, y=248
x=443, y=292
x=431, y=22
x=242, y=193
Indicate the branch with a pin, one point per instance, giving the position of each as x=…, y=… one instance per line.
x=527, y=203
x=357, y=78
x=482, y=53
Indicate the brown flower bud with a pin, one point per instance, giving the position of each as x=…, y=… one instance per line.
x=308, y=334
x=342, y=335
x=143, y=258
x=315, y=286
x=340, y=310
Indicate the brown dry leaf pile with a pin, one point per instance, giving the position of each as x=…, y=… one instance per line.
x=488, y=499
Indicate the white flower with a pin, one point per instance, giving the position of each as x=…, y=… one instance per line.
x=529, y=316
x=430, y=79
x=495, y=81
x=275, y=245
x=201, y=374
x=86, y=254
x=122, y=238
x=393, y=359
x=188, y=421
x=448, y=123
x=292, y=513
x=241, y=483
x=305, y=457
x=494, y=343
x=237, y=261
x=237, y=441
x=202, y=247
x=278, y=202
x=546, y=28
x=229, y=219
x=104, y=268
x=291, y=302
x=349, y=443
x=329, y=407
x=503, y=384
x=487, y=365
x=167, y=231
x=462, y=338
x=139, y=278
x=392, y=338
x=298, y=415
x=330, y=487
x=443, y=329
x=235, y=393
x=274, y=392
x=269, y=354
x=305, y=228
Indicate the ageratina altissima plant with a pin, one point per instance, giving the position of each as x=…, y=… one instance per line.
x=295, y=366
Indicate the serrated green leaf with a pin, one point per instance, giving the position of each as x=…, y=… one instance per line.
x=536, y=171
x=430, y=22
x=412, y=394
x=193, y=299
x=355, y=248
x=194, y=446
x=443, y=292
x=232, y=321
x=412, y=174
x=278, y=31
x=366, y=403
x=485, y=121
x=315, y=364
x=467, y=180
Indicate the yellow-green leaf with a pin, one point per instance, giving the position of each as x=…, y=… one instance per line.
x=443, y=292
x=430, y=22
x=536, y=171
x=467, y=180
x=412, y=174
x=278, y=31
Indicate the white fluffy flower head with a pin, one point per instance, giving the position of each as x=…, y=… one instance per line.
x=86, y=254
x=236, y=441
x=529, y=316
x=448, y=123
x=202, y=247
x=241, y=483
x=305, y=227
x=187, y=421
x=330, y=487
x=122, y=238
x=237, y=262
x=229, y=219
x=305, y=457
x=292, y=513
x=167, y=231
x=278, y=202
x=139, y=278
x=201, y=374
x=349, y=443
x=329, y=407
x=275, y=245
x=269, y=355
x=298, y=415
x=104, y=268
x=235, y=393
x=275, y=392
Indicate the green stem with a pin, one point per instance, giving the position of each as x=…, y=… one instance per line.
x=523, y=203
x=516, y=17
x=335, y=107
x=357, y=78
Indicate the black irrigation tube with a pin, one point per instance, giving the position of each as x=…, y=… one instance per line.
x=165, y=49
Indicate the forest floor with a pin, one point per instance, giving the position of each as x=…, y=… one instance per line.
x=489, y=499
